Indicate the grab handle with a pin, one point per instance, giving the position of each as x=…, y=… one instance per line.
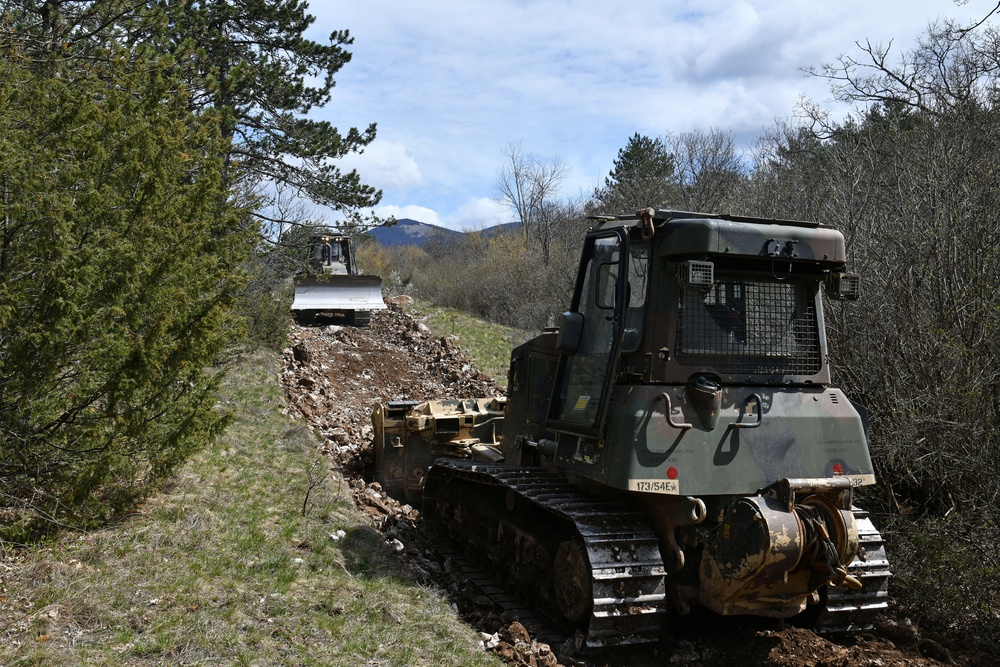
x=752, y=399
x=683, y=426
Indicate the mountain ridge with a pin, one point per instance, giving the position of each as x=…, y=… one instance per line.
x=408, y=231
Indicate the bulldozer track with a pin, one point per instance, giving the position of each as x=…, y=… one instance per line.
x=627, y=601
x=627, y=604
x=511, y=605
x=847, y=610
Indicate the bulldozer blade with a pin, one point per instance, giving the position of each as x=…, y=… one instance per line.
x=338, y=293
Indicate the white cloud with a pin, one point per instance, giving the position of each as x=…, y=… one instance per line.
x=384, y=164
x=477, y=214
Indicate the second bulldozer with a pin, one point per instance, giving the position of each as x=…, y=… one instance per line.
x=332, y=290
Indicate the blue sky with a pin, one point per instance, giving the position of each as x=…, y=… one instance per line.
x=452, y=84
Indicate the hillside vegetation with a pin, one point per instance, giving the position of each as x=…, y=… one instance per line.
x=255, y=554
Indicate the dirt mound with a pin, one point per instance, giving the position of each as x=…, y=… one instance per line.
x=333, y=376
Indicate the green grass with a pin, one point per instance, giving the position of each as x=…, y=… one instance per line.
x=486, y=343
x=223, y=567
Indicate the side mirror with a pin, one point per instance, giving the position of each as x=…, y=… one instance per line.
x=570, y=333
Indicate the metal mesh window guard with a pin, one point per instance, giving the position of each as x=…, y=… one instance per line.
x=752, y=328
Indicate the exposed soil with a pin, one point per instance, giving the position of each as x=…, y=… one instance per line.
x=333, y=376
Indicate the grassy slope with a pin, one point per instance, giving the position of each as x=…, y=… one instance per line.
x=223, y=568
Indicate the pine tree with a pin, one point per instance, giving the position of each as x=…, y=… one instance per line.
x=250, y=60
x=642, y=176
x=246, y=59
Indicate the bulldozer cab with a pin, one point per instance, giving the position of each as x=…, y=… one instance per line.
x=594, y=329
x=691, y=333
x=332, y=255
x=697, y=296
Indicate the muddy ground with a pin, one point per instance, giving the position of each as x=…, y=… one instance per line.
x=334, y=375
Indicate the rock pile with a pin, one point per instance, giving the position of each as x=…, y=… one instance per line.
x=333, y=376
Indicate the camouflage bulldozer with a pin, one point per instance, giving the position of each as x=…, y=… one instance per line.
x=676, y=442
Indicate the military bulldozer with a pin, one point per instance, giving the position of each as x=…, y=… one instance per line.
x=332, y=289
x=675, y=443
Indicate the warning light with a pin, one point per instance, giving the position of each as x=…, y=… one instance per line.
x=838, y=468
x=671, y=473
